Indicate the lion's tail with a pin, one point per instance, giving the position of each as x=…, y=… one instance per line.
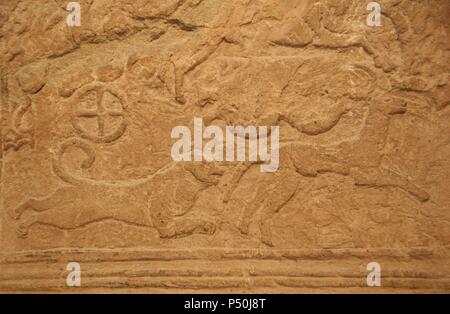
x=61, y=171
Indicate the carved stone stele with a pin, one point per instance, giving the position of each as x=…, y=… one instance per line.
x=85, y=146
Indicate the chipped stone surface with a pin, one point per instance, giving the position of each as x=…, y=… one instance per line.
x=87, y=174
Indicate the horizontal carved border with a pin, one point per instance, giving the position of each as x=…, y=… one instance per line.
x=132, y=254
x=227, y=270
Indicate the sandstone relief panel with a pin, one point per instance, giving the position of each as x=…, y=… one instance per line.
x=360, y=115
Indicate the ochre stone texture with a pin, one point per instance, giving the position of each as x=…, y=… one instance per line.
x=87, y=174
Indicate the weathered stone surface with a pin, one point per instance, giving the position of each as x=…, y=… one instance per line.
x=87, y=174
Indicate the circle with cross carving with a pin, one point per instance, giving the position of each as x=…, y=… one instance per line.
x=98, y=113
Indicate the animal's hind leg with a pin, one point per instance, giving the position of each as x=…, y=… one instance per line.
x=19, y=210
x=64, y=217
x=63, y=209
x=56, y=199
x=34, y=204
x=182, y=227
x=386, y=178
